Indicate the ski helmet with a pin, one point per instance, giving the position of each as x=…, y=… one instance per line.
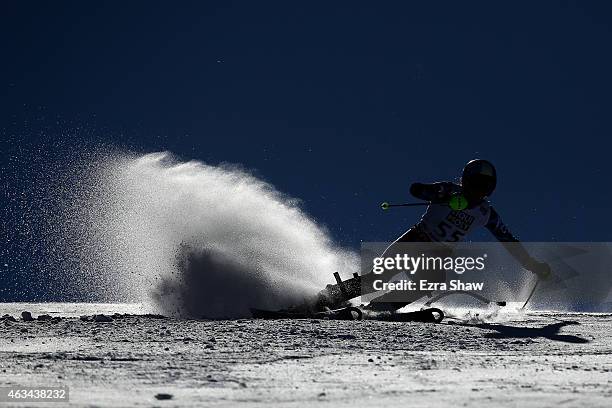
x=479, y=176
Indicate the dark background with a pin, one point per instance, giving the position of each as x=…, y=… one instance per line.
x=341, y=104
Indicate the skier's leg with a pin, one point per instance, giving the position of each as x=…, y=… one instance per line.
x=332, y=296
x=413, y=235
x=395, y=300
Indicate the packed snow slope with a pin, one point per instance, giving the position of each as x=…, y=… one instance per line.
x=532, y=360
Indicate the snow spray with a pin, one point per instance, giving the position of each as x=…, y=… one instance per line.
x=193, y=240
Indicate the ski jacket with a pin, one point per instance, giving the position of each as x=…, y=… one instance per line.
x=443, y=224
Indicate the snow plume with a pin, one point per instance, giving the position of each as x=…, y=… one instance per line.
x=198, y=240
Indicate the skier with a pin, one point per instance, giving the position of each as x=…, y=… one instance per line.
x=440, y=223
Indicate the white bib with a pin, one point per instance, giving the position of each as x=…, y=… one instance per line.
x=441, y=223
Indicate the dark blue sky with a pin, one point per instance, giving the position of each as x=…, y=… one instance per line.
x=341, y=104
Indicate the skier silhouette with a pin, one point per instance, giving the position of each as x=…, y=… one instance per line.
x=441, y=223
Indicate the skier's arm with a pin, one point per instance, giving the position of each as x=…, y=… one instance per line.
x=433, y=192
x=513, y=245
x=499, y=229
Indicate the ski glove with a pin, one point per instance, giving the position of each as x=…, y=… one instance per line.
x=541, y=269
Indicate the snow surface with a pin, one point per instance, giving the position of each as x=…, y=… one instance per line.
x=527, y=360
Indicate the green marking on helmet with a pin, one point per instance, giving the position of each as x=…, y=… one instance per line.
x=458, y=202
x=384, y=205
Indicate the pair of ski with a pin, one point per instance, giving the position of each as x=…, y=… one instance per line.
x=343, y=291
x=431, y=315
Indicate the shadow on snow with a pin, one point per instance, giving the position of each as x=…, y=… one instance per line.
x=550, y=331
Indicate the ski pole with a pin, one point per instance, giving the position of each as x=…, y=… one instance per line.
x=531, y=294
x=386, y=205
x=457, y=202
